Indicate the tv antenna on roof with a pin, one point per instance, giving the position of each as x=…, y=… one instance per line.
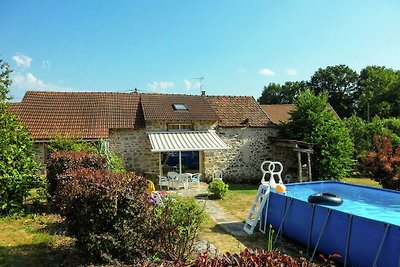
x=201, y=78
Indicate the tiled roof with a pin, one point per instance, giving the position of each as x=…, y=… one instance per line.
x=160, y=107
x=14, y=106
x=86, y=115
x=278, y=113
x=238, y=111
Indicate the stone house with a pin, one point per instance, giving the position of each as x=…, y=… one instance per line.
x=229, y=133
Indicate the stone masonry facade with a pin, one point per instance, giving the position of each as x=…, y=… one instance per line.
x=250, y=146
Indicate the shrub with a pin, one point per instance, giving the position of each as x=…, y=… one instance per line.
x=218, y=189
x=179, y=222
x=70, y=143
x=59, y=162
x=258, y=257
x=384, y=165
x=66, y=143
x=109, y=214
x=114, y=162
x=18, y=169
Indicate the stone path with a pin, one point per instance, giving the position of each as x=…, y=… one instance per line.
x=226, y=221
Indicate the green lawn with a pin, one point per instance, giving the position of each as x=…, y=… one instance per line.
x=363, y=181
x=35, y=240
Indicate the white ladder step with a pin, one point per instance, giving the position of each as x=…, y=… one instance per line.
x=254, y=215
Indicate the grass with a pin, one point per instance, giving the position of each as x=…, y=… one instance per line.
x=35, y=240
x=216, y=235
x=363, y=181
x=239, y=199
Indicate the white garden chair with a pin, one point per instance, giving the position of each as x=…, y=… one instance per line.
x=163, y=181
x=217, y=175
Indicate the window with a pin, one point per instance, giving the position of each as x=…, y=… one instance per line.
x=179, y=106
x=174, y=127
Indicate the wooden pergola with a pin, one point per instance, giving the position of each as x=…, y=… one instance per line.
x=298, y=147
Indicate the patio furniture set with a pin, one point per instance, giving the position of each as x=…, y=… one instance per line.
x=174, y=180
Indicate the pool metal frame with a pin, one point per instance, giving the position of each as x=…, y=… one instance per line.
x=321, y=228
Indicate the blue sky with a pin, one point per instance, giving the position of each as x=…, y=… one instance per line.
x=160, y=46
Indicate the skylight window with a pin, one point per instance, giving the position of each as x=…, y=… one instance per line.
x=179, y=106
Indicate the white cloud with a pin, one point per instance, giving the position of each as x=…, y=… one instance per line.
x=161, y=87
x=28, y=81
x=191, y=85
x=46, y=64
x=291, y=72
x=267, y=72
x=22, y=60
x=188, y=84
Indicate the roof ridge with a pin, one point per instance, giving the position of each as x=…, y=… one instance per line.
x=80, y=92
x=285, y=104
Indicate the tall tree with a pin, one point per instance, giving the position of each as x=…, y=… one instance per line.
x=313, y=122
x=281, y=94
x=378, y=92
x=17, y=166
x=270, y=94
x=340, y=82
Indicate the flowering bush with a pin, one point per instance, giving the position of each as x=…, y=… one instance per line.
x=384, y=165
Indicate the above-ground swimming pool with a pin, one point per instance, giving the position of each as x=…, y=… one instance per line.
x=364, y=230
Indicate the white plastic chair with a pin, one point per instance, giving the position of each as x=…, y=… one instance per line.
x=195, y=177
x=182, y=178
x=163, y=181
x=171, y=176
x=217, y=175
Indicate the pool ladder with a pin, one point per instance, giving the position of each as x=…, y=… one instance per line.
x=256, y=209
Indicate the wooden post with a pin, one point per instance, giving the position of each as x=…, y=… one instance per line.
x=300, y=171
x=309, y=167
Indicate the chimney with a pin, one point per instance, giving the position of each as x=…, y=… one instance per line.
x=203, y=93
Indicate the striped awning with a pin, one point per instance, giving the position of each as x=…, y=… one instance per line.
x=185, y=141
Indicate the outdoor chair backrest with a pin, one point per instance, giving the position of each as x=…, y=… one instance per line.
x=172, y=175
x=217, y=175
x=196, y=177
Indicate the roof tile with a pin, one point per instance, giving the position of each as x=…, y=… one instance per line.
x=87, y=115
x=160, y=107
x=278, y=113
x=237, y=111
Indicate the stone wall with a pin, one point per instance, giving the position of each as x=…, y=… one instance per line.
x=163, y=125
x=40, y=156
x=249, y=148
x=40, y=152
x=287, y=157
x=134, y=147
